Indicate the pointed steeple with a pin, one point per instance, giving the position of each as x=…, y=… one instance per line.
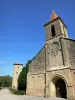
x=53, y=15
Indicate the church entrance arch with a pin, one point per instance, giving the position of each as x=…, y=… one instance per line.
x=58, y=87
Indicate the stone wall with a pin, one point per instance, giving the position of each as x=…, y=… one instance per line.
x=35, y=85
x=36, y=75
x=57, y=29
x=60, y=29
x=17, y=70
x=54, y=58
x=38, y=63
x=70, y=51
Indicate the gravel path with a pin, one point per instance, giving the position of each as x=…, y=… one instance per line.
x=6, y=95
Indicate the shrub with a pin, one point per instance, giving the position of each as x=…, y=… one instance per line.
x=17, y=92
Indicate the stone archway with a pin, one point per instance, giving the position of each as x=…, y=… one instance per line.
x=58, y=87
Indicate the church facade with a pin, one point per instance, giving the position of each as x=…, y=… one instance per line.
x=52, y=71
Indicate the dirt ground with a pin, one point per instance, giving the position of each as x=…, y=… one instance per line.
x=6, y=95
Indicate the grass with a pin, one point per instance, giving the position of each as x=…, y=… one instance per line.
x=17, y=92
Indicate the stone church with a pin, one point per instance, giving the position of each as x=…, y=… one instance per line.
x=52, y=71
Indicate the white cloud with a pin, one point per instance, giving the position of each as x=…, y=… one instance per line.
x=2, y=62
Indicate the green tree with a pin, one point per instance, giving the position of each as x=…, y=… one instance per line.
x=0, y=83
x=5, y=81
x=22, y=80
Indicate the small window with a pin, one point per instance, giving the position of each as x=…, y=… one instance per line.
x=53, y=31
x=18, y=66
x=16, y=72
x=14, y=87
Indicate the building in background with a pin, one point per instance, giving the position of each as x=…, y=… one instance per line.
x=17, y=69
x=52, y=71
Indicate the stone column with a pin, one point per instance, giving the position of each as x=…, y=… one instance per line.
x=64, y=53
x=70, y=93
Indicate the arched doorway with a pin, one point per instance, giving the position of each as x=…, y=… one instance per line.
x=58, y=87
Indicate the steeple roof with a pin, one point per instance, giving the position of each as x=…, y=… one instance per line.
x=53, y=15
x=53, y=18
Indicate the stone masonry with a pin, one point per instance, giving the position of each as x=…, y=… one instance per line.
x=17, y=69
x=52, y=71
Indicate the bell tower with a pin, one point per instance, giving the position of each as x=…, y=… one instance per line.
x=55, y=31
x=55, y=27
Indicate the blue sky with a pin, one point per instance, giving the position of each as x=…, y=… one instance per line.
x=22, y=33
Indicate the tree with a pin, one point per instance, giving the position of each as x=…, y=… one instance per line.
x=0, y=83
x=22, y=80
x=5, y=81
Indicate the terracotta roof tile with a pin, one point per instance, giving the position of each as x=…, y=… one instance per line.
x=53, y=15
